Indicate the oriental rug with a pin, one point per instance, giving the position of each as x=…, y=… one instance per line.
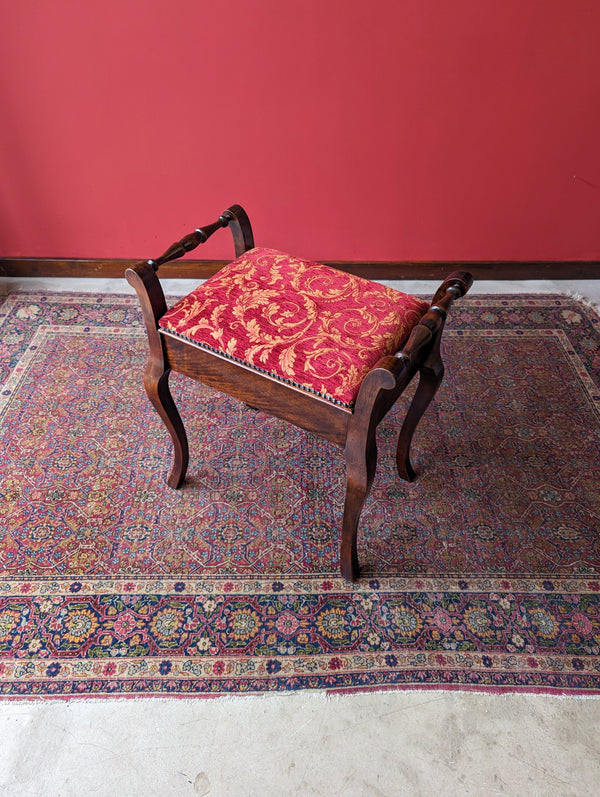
x=483, y=574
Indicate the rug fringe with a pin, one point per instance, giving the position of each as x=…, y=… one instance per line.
x=440, y=692
x=584, y=300
x=433, y=693
x=99, y=699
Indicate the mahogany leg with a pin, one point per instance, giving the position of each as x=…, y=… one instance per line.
x=157, y=389
x=361, y=463
x=430, y=378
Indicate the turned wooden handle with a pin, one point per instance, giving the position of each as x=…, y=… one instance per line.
x=460, y=281
x=453, y=287
x=234, y=217
x=189, y=242
x=419, y=337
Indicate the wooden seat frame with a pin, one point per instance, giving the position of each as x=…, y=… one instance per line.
x=353, y=429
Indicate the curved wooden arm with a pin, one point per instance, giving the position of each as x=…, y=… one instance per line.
x=431, y=324
x=143, y=275
x=189, y=242
x=234, y=217
x=388, y=378
x=241, y=229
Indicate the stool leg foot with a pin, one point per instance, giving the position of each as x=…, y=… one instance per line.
x=430, y=378
x=157, y=389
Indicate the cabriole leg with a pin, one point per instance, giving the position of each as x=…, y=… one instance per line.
x=157, y=389
x=430, y=378
x=361, y=463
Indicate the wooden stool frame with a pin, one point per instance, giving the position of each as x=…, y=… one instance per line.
x=354, y=430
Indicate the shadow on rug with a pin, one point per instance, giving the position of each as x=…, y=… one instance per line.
x=483, y=574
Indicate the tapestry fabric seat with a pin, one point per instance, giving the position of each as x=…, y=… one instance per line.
x=300, y=322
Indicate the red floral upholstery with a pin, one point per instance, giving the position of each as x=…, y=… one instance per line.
x=303, y=323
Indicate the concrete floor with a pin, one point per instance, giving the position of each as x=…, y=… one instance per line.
x=392, y=743
x=395, y=743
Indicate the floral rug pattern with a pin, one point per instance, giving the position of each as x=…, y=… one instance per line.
x=483, y=574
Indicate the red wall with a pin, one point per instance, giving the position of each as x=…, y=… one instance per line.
x=349, y=130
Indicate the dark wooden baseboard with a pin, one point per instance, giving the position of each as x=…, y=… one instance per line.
x=388, y=270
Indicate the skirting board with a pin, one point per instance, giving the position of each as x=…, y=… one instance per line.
x=388, y=270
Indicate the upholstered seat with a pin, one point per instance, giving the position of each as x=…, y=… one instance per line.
x=303, y=323
x=315, y=346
